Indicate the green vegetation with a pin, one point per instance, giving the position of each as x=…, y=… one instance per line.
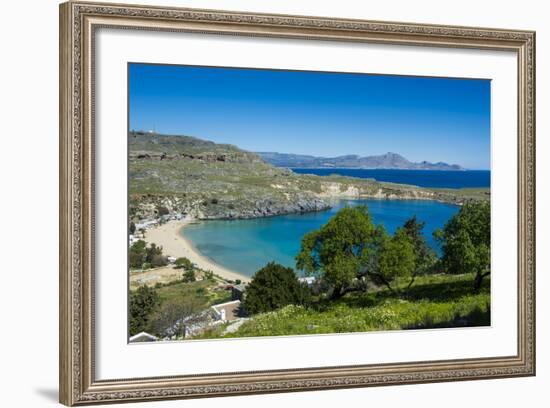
x=145, y=257
x=350, y=248
x=173, y=316
x=205, y=291
x=426, y=257
x=183, y=263
x=152, y=309
x=143, y=302
x=434, y=301
x=339, y=250
x=273, y=287
x=466, y=242
x=189, y=276
x=396, y=258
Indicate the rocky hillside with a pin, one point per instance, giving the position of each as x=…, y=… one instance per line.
x=152, y=145
x=186, y=175
x=182, y=174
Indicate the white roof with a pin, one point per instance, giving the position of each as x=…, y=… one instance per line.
x=143, y=336
x=233, y=302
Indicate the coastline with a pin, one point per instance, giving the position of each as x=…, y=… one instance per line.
x=174, y=244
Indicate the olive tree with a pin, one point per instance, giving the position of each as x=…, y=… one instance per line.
x=273, y=287
x=466, y=242
x=339, y=251
x=425, y=256
x=397, y=259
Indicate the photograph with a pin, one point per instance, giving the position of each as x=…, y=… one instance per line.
x=266, y=202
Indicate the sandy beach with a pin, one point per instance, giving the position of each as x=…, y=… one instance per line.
x=168, y=237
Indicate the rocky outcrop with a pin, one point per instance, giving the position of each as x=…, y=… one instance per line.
x=389, y=191
x=267, y=208
x=153, y=206
x=203, y=157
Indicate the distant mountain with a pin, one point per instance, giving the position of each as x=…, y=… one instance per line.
x=384, y=161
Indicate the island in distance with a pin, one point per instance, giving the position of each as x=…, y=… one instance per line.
x=385, y=161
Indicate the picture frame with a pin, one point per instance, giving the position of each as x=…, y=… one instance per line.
x=79, y=23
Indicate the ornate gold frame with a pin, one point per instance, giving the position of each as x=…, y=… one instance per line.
x=78, y=22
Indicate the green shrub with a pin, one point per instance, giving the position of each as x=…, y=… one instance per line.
x=136, y=255
x=143, y=256
x=143, y=302
x=183, y=263
x=161, y=210
x=189, y=276
x=273, y=287
x=466, y=241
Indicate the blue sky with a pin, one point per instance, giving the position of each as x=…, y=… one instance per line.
x=316, y=113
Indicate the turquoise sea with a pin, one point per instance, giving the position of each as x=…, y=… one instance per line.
x=247, y=245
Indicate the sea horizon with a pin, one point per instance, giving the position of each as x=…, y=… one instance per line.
x=454, y=179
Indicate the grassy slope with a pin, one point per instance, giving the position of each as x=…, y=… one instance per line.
x=206, y=292
x=189, y=175
x=433, y=301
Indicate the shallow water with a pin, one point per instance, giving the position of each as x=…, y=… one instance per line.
x=247, y=245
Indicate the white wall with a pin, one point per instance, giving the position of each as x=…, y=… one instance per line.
x=28, y=233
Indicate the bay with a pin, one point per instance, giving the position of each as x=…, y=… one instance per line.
x=245, y=246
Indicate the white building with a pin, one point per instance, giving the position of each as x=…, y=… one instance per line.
x=227, y=312
x=142, y=338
